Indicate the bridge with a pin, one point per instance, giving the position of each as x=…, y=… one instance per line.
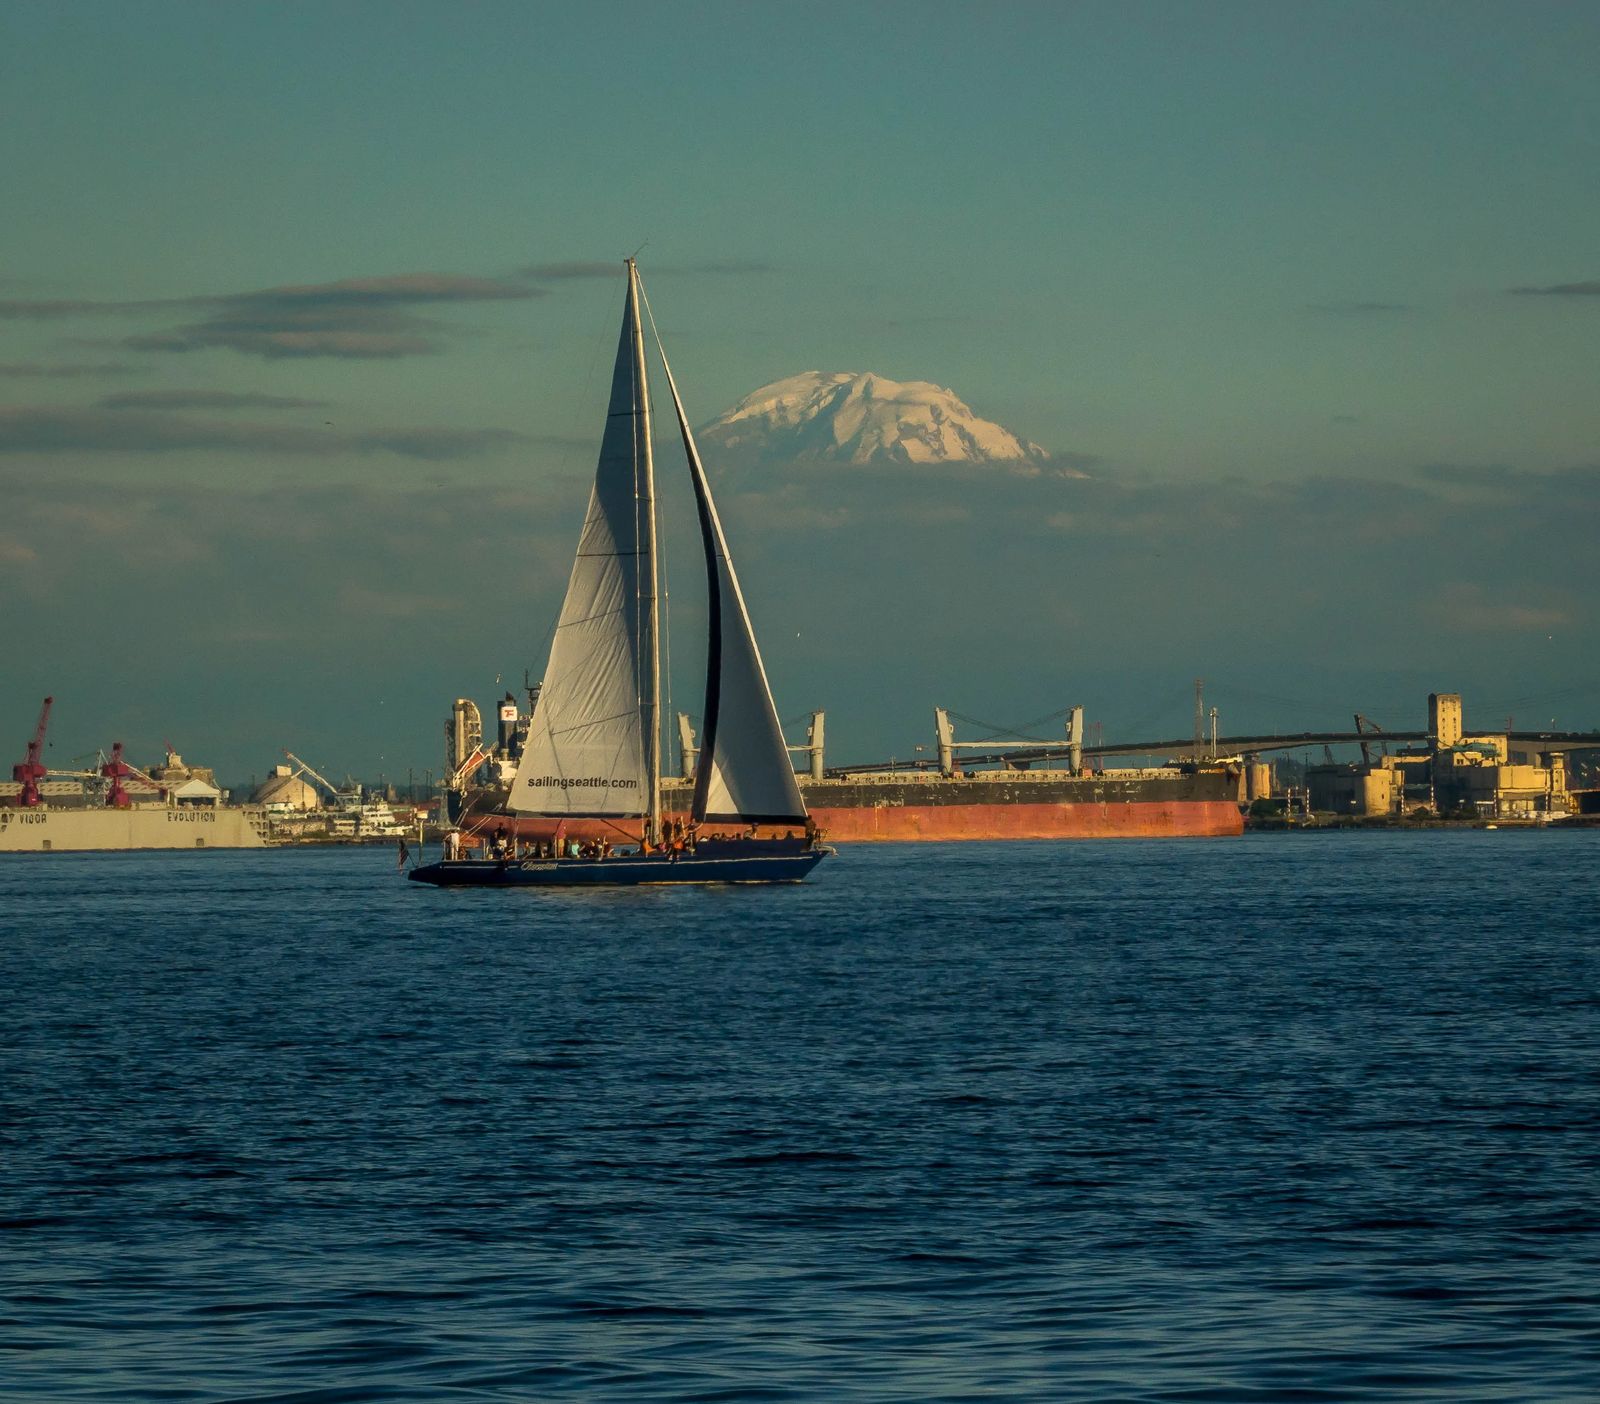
x=1185, y=747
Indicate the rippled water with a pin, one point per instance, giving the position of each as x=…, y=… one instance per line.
x=1288, y=1117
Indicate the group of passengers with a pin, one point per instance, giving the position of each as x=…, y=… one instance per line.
x=505, y=846
x=676, y=837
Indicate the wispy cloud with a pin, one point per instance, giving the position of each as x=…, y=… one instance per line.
x=1589, y=289
x=1360, y=309
x=357, y=318
x=47, y=370
x=1077, y=463
x=349, y=333
x=48, y=309
x=374, y=318
x=203, y=400
x=1466, y=608
x=354, y=318
x=1471, y=474
x=613, y=268
x=44, y=430
x=564, y=272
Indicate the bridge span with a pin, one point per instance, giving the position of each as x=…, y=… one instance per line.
x=1183, y=747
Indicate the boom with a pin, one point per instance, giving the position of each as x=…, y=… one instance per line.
x=31, y=771
x=341, y=798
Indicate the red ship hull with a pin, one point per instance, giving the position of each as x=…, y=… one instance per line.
x=944, y=823
x=910, y=808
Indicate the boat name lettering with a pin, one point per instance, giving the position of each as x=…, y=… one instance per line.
x=586, y=782
x=190, y=816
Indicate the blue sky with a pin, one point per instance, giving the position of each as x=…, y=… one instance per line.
x=1315, y=285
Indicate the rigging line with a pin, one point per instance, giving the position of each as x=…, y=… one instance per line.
x=1015, y=727
x=1559, y=695
x=1229, y=689
x=1017, y=733
x=587, y=724
x=602, y=339
x=1037, y=722
x=590, y=618
x=655, y=333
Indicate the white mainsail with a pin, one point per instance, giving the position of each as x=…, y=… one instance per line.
x=590, y=749
x=744, y=774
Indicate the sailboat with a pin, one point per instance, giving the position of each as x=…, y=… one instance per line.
x=593, y=752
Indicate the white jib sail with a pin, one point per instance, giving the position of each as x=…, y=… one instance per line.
x=744, y=774
x=586, y=752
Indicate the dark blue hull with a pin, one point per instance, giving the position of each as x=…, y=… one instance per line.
x=757, y=864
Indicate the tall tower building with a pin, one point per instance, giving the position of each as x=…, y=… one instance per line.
x=1444, y=719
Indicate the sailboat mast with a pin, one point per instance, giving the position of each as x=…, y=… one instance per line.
x=649, y=580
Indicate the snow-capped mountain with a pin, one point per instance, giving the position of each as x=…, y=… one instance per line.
x=848, y=418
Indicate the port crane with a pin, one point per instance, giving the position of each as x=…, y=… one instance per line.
x=1366, y=724
x=342, y=799
x=30, y=771
x=116, y=770
x=112, y=770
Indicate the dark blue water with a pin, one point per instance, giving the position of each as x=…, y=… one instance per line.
x=1289, y=1117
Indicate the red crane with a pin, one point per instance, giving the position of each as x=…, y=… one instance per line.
x=31, y=771
x=116, y=770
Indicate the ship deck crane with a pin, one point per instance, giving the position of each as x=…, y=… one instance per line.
x=29, y=772
x=458, y=777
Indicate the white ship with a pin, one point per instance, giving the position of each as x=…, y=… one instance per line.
x=118, y=806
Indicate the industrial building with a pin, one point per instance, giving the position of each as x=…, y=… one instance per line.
x=285, y=791
x=1454, y=774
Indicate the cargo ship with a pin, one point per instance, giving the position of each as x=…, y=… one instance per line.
x=943, y=802
x=895, y=806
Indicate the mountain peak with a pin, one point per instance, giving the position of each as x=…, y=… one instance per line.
x=861, y=418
